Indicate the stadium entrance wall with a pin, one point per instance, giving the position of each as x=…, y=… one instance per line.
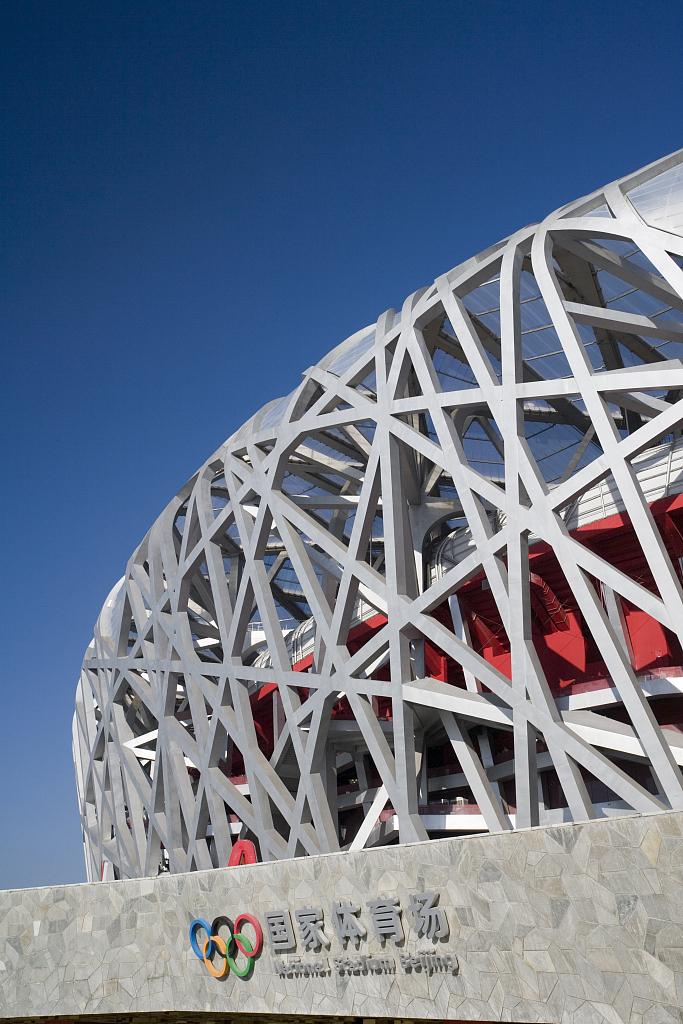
x=577, y=922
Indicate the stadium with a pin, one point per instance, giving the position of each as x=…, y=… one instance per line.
x=434, y=591
x=384, y=720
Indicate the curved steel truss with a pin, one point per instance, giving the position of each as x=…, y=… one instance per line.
x=436, y=588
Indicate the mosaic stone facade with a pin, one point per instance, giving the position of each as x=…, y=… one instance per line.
x=574, y=923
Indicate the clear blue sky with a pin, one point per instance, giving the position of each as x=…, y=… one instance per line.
x=199, y=199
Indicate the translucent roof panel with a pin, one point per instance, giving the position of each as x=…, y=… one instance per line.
x=484, y=302
x=601, y=211
x=352, y=354
x=628, y=251
x=591, y=348
x=621, y=296
x=659, y=201
x=274, y=416
x=553, y=445
x=453, y=374
x=541, y=346
x=482, y=453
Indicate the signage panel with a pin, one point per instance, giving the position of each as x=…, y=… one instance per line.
x=427, y=919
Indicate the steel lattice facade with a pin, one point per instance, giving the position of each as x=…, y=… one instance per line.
x=435, y=590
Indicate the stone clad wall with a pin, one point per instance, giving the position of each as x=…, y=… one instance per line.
x=575, y=923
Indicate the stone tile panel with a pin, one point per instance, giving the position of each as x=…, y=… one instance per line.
x=572, y=924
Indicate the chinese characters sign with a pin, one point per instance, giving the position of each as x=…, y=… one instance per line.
x=308, y=931
x=385, y=915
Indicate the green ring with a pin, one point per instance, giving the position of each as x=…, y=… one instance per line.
x=233, y=965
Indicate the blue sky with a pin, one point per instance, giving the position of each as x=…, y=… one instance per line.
x=198, y=201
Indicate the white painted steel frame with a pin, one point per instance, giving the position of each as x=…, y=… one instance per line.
x=174, y=692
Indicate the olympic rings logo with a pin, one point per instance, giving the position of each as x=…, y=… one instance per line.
x=215, y=944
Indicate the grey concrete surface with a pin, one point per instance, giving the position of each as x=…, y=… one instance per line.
x=577, y=923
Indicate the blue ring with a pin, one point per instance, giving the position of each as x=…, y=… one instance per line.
x=200, y=923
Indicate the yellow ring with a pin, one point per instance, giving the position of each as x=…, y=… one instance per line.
x=220, y=945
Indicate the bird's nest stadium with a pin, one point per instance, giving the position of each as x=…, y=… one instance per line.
x=434, y=591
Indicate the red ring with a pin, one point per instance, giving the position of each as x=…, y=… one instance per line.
x=257, y=928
